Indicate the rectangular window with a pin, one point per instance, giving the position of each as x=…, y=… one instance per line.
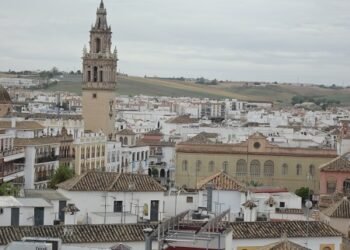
x=189, y=199
x=94, y=95
x=101, y=76
x=89, y=76
x=282, y=204
x=331, y=187
x=118, y=206
x=14, y=216
x=38, y=216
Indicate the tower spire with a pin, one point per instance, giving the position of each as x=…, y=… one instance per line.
x=102, y=6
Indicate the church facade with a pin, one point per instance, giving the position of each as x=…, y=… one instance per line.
x=99, y=77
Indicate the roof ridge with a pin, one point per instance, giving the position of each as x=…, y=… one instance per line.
x=113, y=182
x=71, y=182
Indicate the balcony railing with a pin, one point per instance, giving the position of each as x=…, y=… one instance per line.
x=11, y=152
x=16, y=168
x=42, y=178
x=46, y=158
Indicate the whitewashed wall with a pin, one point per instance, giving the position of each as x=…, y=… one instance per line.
x=90, y=202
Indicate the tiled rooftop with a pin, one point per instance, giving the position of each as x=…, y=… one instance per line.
x=272, y=229
x=111, y=182
x=77, y=233
x=339, y=164
x=221, y=181
x=341, y=209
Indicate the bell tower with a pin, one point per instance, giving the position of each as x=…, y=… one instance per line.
x=99, y=77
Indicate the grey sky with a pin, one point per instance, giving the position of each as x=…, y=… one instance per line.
x=269, y=40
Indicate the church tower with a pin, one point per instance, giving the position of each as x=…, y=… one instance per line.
x=99, y=77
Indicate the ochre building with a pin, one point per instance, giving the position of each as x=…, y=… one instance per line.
x=100, y=77
x=255, y=161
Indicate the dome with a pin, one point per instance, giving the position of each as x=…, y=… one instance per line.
x=4, y=96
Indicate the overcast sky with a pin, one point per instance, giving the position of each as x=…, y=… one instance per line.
x=267, y=40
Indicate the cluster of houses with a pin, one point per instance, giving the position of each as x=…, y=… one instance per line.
x=167, y=173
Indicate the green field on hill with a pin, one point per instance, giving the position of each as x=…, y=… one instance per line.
x=278, y=93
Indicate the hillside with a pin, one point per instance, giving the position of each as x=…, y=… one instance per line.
x=278, y=93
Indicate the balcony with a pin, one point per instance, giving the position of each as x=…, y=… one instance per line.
x=42, y=178
x=12, y=172
x=46, y=158
x=12, y=154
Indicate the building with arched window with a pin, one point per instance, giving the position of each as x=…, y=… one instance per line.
x=255, y=159
x=335, y=176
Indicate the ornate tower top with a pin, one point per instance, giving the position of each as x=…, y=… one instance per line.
x=99, y=61
x=101, y=19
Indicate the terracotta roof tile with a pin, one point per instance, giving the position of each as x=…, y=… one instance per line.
x=338, y=164
x=274, y=229
x=111, y=182
x=202, y=138
x=341, y=209
x=77, y=233
x=221, y=181
x=22, y=125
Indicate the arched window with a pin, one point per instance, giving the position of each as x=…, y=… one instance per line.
x=312, y=170
x=269, y=168
x=241, y=168
x=95, y=74
x=198, y=165
x=121, y=140
x=331, y=185
x=98, y=45
x=255, y=168
x=299, y=169
x=211, y=166
x=101, y=76
x=225, y=166
x=162, y=173
x=184, y=165
x=285, y=169
x=125, y=141
x=346, y=186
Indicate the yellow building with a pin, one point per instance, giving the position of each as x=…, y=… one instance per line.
x=90, y=153
x=255, y=159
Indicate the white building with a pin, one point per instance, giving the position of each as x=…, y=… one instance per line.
x=115, y=197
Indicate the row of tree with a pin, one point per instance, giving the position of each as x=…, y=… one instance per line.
x=324, y=103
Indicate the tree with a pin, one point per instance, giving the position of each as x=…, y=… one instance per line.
x=8, y=189
x=61, y=174
x=254, y=184
x=303, y=192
